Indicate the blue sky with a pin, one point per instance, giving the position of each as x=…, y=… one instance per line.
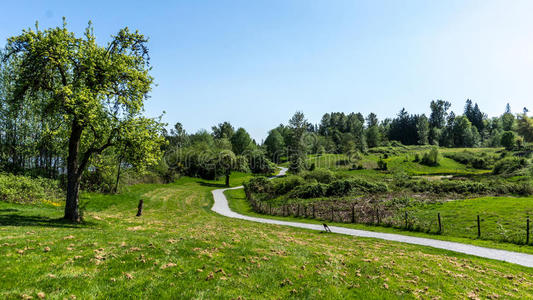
x=254, y=63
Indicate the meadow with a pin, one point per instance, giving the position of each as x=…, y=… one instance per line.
x=180, y=249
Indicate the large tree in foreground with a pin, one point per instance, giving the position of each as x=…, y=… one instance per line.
x=97, y=92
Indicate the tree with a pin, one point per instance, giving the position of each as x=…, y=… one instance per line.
x=422, y=128
x=97, y=91
x=508, y=140
x=372, y=131
x=298, y=126
x=439, y=112
x=223, y=130
x=524, y=127
x=275, y=145
x=227, y=161
x=241, y=141
x=508, y=118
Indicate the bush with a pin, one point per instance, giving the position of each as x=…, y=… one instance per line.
x=347, y=186
x=382, y=165
x=431, y=158
x=24, y=189
x=320, y=175
x=314, y=190
x=258, y=185
x=509, y=165
x=284, y=185
x=478, y=161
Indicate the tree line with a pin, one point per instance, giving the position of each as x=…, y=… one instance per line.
x=338, y=132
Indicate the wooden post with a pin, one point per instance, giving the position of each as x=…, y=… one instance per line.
x=353, y=214
x=406, y=225
x=527, y=231
x=314, y=216
x=478, y=228
x=331, y=213
x=440, y=224
x=140, y=208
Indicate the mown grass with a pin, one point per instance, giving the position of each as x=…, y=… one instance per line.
x=458, y=226
x=180, y=249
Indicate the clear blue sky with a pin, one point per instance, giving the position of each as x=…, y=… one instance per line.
x=254, y=63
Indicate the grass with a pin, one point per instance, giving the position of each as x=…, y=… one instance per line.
x=502, y=218
x=452, y=227
x=180, y=249
x=402, y=161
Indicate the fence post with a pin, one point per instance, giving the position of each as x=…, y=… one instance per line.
x=440, y=224
x=527, y=228
x=478, y=228
x=353, y=214
x=314, y=211
x=406, y=220
x=331, y=213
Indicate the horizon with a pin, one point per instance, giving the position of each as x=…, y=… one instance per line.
x=211, y=60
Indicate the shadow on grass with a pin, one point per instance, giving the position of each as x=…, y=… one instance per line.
x=22, y=220
x=210, y=184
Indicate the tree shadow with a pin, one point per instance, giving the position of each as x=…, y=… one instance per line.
x=210, y=184
x=24, y=220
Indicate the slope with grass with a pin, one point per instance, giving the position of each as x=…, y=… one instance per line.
x=180, y=249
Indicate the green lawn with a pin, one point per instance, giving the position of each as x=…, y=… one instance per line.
x=180, y=249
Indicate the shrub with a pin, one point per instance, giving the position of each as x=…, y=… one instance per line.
x=24, y=189
x=382, y=165
x=478, y=161
x=509, y=165
x=347, y=186
x=307, y=191
x=320, y=175
x=258, y=185
x=284, y=185
x=431, y=158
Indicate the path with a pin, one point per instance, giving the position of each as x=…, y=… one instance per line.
x=221, y=206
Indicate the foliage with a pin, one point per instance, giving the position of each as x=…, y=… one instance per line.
x=24, y=189
x=320, y=175
x=508, y=140
x=509, y=165
x=431, y=158
x=95, y=92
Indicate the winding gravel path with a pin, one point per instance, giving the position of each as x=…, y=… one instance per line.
x=221, y=206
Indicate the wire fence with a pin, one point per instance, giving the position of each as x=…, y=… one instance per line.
x=480, y=226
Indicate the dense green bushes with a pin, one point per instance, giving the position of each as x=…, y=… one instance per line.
x=320, y=175
x=315, y=187
x=509, y=165
x=431, y=158
x=472, y=159
x=24, y=189
x=466, y=187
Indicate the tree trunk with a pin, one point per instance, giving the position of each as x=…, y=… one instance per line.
x=73, y=174
x=227, y=177
x=118, y=174
x=140, y=208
